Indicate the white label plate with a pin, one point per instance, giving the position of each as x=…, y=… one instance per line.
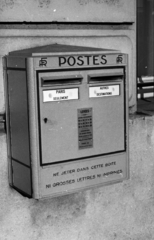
x=60, y=94
x=77, y=175
x=104, y=91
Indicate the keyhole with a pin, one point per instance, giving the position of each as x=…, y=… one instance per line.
x=45, y=120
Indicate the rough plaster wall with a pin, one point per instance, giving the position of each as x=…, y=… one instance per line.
x=68, y=10
x=124, y=211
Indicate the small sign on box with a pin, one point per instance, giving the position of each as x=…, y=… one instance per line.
x=104, y=91
x=60, y=95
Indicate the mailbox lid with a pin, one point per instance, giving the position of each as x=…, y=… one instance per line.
x=59, y=49
x=60, y=133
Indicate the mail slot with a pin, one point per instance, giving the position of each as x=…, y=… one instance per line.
x=67, y=119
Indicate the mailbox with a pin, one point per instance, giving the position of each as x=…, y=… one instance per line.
x=67, y=119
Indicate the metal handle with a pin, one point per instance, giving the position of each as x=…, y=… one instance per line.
x=2, y=122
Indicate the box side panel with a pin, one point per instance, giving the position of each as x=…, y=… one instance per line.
x=33, y=126
x=22, y=178
x=16, y=62
x=18, y=129
x=17, y=91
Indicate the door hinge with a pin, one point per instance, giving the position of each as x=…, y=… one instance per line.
x=2, y=122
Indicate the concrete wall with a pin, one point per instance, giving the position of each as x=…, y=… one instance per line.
x=122, y=211
x=68, y=10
